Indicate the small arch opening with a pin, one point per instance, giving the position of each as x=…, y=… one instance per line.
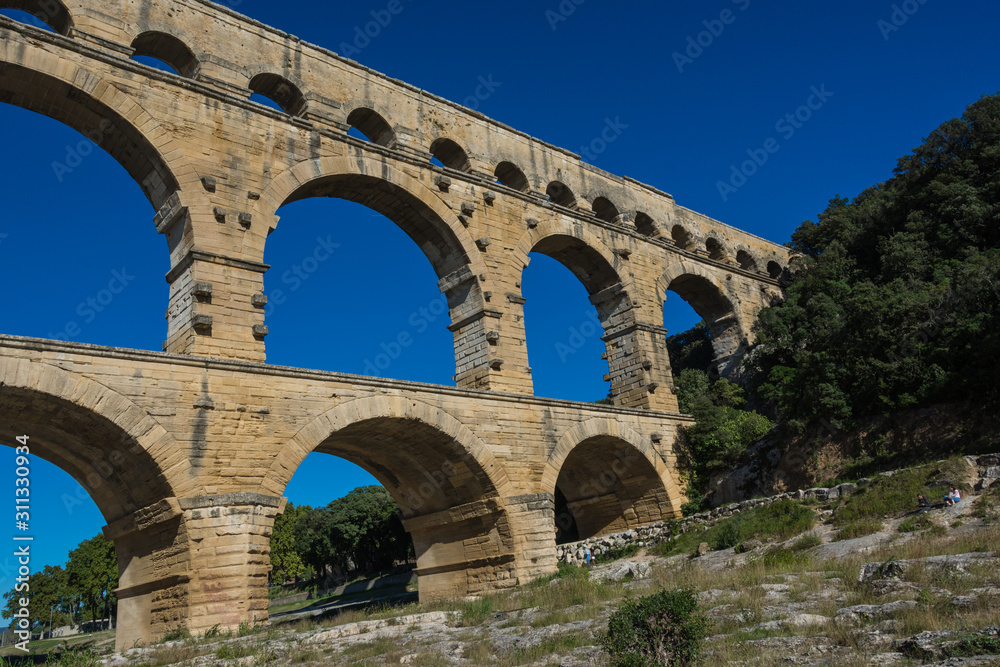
x=746, y=261
x=715, y=249
x=449, y=154
x=561, y=195
x=279, y=91
x=49, y=15
x=644, y=224
x=509, y=174
x=605, y=210
x=164, y=52
x=372, y=127
x=713, y=307
x=682, y=237
x=774, y=269
x=607, y=486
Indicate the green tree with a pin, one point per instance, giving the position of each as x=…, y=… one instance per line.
x=368, y=531
x=896, y=302
x=691, y=349
x=722, y=432
x=92, y=574
x=286, y=563
x=48, y=597
x=313, y=533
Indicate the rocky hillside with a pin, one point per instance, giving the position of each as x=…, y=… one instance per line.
x=810, y=579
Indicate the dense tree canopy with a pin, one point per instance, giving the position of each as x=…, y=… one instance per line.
x=49, y=598
x=896, y=301
x=85, y=588
x=360, y=532
x=92, y=574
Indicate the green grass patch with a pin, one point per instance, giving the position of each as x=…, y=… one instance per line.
x=858, y=528
x=73, y=659
x=475, y=612
x=974, y=645
x=806, y=542
x=176, y=634
x=780, y=557
x=915, y=524
x=234, y=651
x=862, y=512
x=780, y=520
x=617, y=553
x=563, y=571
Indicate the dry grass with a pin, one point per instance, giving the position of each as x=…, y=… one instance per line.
x=170, y=655
x=817, y=587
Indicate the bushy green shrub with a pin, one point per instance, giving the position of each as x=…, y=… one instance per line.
x=659, y=629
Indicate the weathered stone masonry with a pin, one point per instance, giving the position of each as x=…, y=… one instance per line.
x=187, y=452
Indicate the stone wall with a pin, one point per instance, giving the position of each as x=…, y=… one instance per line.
x=987, y=465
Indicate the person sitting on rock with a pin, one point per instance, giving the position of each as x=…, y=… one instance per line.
x=953, y=497
x=922, y=504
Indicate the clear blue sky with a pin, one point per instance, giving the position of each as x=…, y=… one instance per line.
x=688, y=121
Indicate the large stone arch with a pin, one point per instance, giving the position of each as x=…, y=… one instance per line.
x=424, y=217
x=133, y=469
x=612, y=478
x=439, y=234
x=41, y=81
x=707, y=291
x=124, y=463
x=450, y=488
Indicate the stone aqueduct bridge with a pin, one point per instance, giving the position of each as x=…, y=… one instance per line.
x=187, y=452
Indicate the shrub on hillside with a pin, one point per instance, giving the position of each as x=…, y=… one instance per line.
x=659, y=629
